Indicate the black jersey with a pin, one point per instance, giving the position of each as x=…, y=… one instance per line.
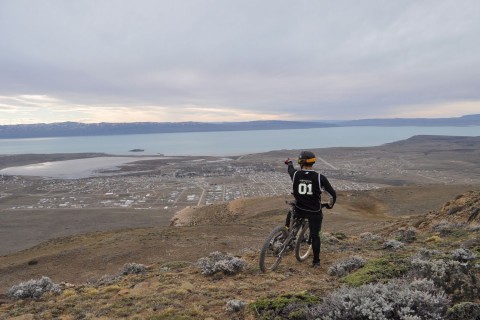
x=307, y=189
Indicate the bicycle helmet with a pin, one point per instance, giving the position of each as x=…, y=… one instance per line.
x=306, y=158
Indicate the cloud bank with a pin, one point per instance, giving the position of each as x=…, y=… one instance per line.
x=212, y=60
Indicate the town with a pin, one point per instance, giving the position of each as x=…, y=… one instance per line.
x=165, y=191
x=196, y=182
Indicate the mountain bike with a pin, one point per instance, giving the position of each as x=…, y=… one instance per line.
x=281, y=240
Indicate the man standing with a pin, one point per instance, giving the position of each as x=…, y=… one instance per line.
x=307, y=189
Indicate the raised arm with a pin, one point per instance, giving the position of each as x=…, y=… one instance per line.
x=291, y=169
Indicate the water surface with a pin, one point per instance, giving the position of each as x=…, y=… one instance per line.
x=227, y=143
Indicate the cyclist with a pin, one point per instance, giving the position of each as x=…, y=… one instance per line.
x=307, y=188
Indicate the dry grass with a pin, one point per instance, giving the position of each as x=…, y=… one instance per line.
x=174, y=288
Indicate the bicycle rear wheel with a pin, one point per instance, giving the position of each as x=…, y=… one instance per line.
x=270, y=255
x=303, y=245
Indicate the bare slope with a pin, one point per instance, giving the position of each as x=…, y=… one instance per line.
x=172, y=289
x=228, y=227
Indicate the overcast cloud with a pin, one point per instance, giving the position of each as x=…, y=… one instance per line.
x=216, y=60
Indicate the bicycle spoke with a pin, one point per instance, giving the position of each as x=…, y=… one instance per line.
x=273, y=249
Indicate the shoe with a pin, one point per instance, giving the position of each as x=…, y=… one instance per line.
x=316, y=265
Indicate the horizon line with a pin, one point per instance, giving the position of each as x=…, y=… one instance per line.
x=248, y=121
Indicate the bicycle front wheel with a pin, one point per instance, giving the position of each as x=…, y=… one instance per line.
x=270, y=256
x=303, y=245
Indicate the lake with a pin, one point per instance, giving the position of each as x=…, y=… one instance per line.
x=227, y=143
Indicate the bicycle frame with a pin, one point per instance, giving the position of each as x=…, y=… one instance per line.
x=276, y=249
x=295, y=225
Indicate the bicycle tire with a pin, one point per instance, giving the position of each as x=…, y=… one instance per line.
x=269, y=258
x=303, y=247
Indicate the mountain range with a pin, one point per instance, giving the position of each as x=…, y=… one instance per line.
x=68, y=129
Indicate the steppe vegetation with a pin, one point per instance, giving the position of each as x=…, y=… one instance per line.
x=426, y=267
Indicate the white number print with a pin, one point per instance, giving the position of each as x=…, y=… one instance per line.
x=304, y=188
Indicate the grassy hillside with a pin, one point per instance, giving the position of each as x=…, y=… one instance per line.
x=364, y=247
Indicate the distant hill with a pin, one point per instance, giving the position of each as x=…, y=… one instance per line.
x=68, y=129
x=468, y=120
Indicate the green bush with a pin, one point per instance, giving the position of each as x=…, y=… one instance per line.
x=464, y=311
x=405, y=234
x=290, y=306
x=378, y=270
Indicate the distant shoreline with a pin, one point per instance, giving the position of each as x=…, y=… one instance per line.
x=77, y=129
x=227, y=143
x=86, y=165
x=73, y=168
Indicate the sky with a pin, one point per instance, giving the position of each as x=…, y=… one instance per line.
x=237, y=60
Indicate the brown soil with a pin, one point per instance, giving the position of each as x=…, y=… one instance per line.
x=173, y=288
x=230, y=227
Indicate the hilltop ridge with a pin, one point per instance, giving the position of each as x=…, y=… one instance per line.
x=68, y=129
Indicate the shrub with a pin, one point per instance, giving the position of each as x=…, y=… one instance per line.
x=457, y=279
x=218, y=262
x=462, y=255
x=235, y=305
x=445, y=228
x=464, y=311
x=33, y=288
x=289, y=306
x=368, y=236
x=132, y=268
x=425, y=253
x=231, y=265
x=329, y=238
x=378, y=270
x=473, y=215
x=340, y=235
x=406, y=235
x=393, y=245
x=128, y=268
x=346, y=266
x=105, y=280
x=394, y=300
x=473, y=244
